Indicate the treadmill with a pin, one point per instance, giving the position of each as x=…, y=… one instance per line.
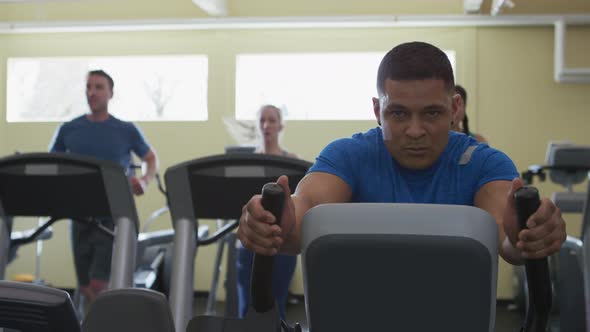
x=62, y=186
x=215, y=187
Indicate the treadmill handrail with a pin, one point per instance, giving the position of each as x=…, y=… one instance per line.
x=57, y=157
x=219, y=158
x=221, y=232
x=183, y=174
x=156, y=176
x=45, y=160
x=33, y=237
x=37, y=233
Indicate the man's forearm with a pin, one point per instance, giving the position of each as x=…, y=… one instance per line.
x=152, y=167
x=509, y=253
x=292, y=243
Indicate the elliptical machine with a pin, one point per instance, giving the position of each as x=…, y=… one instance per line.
x=567, y=165
x=331, y=233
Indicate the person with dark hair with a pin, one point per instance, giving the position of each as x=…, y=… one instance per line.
x=103, y=74
x=270, y=125
x=461, y=123
x=413, y=156
x=101, y=135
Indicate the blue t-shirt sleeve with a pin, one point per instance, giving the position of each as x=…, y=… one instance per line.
x=57, y=143
x=495, y=166
x=336, y=159
x=139, y=145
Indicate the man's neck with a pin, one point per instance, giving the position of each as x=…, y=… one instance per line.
x=98, y=116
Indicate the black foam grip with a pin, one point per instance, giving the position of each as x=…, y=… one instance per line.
x=273, y=198
x=537, y=270
x=527, y=202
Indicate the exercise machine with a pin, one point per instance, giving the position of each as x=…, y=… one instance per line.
x=408, y=261
x=65, y=186
x=567, y=165
x=215, y=187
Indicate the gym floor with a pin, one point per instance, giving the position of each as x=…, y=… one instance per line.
x=506, y=320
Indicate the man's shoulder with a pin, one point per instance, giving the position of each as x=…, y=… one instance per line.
x=77, y=120
x=356, y=143
x=369, y=135
x=478, y=164
x=468, y=153
x=462, y=146
x=121, y=124
x=483, y=152
x=73, y=123
x=364, y=139
x=116, y=121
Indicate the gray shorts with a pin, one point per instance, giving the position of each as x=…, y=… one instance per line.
x=92, y=250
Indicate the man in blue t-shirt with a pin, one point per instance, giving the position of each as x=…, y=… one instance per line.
x=101, y=135
x=414, y=157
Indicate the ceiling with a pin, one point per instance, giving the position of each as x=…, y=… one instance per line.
x=80, y=10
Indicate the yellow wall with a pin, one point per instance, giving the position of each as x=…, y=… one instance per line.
x=520, y=107
x=508, y=73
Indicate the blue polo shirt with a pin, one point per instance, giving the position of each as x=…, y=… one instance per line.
x=368, y=168
x=111, y=139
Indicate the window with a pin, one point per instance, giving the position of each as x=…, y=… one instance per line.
x=314, y=86
x=147, y=88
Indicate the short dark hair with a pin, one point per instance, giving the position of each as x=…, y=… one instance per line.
x=102, y=73
x=461, y=91
x=415, y=61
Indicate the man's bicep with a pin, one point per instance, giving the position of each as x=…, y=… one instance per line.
x=314, y=189
x=491, y=197
x=139, y=144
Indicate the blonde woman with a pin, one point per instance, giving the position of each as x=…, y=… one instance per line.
x=270, y=125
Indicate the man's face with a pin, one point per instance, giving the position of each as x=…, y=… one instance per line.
x=98, y=93
x=415, y=117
